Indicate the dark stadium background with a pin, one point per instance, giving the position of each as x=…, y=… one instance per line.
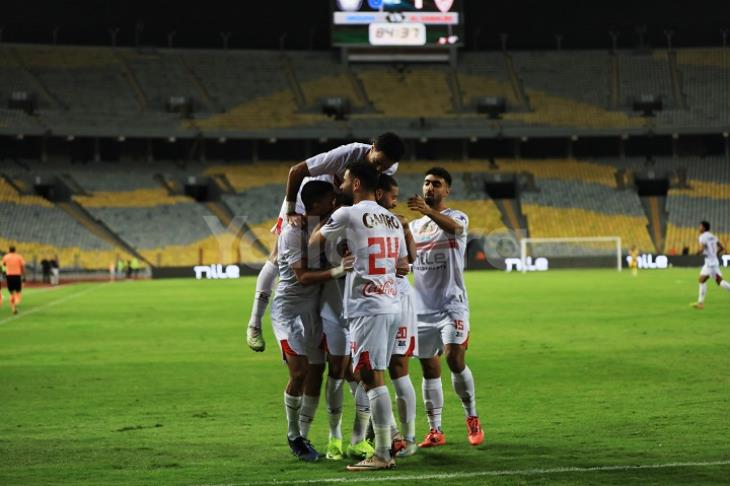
x=260, y=24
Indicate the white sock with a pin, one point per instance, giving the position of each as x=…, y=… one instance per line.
x=703, y=291
x=725, y=285
x=264, y=286
x=353, y=387
x=306, y=414
x=405, y=396
x=362, y=415
x=464, y=387
x=292, y=405
x=433, y=400
x=382, y=413
x=393, y=425
x=334, y=398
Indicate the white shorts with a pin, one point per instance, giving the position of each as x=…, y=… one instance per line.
x=373, y=338
x=336, y=337
x=299, y=335
x=712, y=271
x=437, y=330
x=406, y=337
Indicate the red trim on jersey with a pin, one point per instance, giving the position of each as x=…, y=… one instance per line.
x=277, y=227
x=411, y=347
x=363, y=362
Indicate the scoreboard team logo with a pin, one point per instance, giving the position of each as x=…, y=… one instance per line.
x=349, y=5
x=444, y=5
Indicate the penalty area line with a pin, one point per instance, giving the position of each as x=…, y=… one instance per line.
x=355, y=478
x=52, y=303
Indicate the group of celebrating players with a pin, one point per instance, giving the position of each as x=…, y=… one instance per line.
x=344, y=302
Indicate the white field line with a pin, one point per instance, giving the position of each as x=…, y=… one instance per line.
x=375, y=477
x=21, y=314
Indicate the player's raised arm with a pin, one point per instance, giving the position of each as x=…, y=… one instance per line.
x=410, y=241
x=313, y=277
x=446, y=223
x=297, y=173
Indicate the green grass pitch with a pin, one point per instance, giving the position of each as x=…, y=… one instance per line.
x=150, y=382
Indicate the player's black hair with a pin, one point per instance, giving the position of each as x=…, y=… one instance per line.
x=366, y=174
x=386, y=182
x=440, y=172
x=705, y=225
x=391, y=145
x=11, y=249
x=314, y=191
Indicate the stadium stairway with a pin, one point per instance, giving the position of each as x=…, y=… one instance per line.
x=97, y=228
x=654, y=206
x=516, y=82
x=512, y=215
x=680, y=99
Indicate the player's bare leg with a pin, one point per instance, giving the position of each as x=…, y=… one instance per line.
x=380, y=406
x=722, y=282
x=433, y=401
x=264, y=287
x=14, y=301
x=463, y=383
x=406, y=401
x=300, y=447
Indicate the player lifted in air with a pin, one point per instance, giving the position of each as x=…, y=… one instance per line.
x=383, y=154
x=711, y=248
x=295, y=314
x=441, y=303
x=406, y=339
x=375, y=237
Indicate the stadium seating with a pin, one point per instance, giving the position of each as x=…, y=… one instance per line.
x=83, y=88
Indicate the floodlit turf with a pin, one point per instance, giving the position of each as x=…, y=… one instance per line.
x=151, y=383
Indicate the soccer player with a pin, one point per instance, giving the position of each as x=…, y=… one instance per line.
x=295, y=313
x=14, y=273
x=711, y=247
x=384, y=154
x=337, y=345
x=375, y=237
x=406, y=339
x=634, y=261
x=441, y=303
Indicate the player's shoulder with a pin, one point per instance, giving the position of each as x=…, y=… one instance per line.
x=457, y=215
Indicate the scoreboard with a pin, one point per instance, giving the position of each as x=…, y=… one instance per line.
x=397, y=23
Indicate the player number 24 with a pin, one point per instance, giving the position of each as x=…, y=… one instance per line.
x=387, y=247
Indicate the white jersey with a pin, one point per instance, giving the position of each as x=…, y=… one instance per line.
x=335, y=161
x=709, y=243
x=290, y=294
x=375, y=236
x=439, y=267
x=330, y=165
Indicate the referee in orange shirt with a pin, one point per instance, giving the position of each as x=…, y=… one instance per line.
x=14, y=272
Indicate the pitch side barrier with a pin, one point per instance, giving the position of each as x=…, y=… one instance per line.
x=512, y=264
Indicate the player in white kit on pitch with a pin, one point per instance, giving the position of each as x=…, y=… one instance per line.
x=384, y=154
x=375, y=237
x=406, y=339
x=441, y=303
x=295, y=315
x=711, y=248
